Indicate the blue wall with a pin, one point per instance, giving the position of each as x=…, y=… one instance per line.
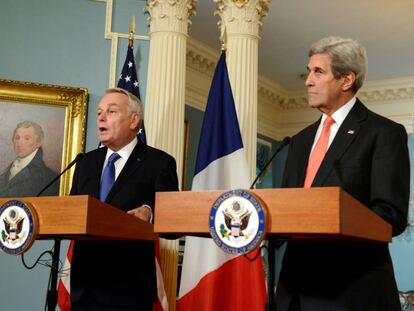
x=194, y=119
x=402, y=247
x=60, y=42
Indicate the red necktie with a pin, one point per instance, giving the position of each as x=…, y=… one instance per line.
x=318, y=152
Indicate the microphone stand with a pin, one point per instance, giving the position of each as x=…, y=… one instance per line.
x=273, y=244
x=285, y=141
x=52, y=292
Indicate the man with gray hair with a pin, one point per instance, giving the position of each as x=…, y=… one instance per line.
x=367, y=156
x=28, y=173
x=126, y=173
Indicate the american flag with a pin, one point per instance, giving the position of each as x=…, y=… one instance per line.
x=128, y=80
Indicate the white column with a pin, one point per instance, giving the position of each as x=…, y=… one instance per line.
x=240, y=23
x=164, y=103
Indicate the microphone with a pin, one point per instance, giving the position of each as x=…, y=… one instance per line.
x=78, y=158
x=285, y=142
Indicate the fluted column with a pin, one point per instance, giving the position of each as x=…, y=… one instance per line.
x=164, y=103
x=240, y=24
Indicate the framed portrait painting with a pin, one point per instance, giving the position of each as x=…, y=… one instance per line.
x=42, y=129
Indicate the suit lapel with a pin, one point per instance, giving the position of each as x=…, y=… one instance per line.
x=96, y=167
x=133, y=163
x=346, y=134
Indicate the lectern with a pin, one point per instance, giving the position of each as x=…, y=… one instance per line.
x=81, y=217
x=292, y=214
x=84, y=217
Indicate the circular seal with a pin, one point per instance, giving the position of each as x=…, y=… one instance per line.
x=237, y=221
x=18, y=227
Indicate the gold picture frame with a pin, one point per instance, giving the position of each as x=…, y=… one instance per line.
x=49, y=106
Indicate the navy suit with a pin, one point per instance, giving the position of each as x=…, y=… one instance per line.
x=120, y=273
x=369, y=159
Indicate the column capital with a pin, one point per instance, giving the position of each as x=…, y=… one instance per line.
x=170, y=15
x=241, y=17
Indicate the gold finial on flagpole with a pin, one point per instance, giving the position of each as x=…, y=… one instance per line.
x=131, y=32
x=223, y=39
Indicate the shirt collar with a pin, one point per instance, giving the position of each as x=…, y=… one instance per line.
x=125, y=152
x=340, y=115
x=22, y=162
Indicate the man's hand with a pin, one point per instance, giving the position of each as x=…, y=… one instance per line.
x=143, y=212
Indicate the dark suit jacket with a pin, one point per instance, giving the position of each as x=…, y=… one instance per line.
x=369, y=159
x=120, y=273
x=30, y=180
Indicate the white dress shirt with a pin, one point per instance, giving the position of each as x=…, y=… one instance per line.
x=339, y=117
x=21, y=163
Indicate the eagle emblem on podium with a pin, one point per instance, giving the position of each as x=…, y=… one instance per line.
x=13, y=224
x=237, y=221
x=236, y=218
x=18, y=226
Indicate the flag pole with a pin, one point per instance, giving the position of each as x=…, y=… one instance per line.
x=131, y=32
x=223, y=39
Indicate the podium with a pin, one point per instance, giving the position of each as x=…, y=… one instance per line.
x=327, y=213
x=293, y=213
x=84, y=217
x=81, y=217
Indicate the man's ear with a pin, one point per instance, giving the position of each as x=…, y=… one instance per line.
x=135, y=120
x=349, y=80
x=39, y=144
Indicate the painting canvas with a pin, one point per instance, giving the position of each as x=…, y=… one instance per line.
x=42, y=129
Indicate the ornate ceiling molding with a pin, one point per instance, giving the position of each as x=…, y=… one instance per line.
x=388, y=94
x=202, y=59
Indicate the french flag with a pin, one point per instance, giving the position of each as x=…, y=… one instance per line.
x=212, y=279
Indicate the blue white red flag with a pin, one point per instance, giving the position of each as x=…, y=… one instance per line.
x=212, y=279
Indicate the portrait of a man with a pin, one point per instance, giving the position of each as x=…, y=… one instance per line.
x=28, y=174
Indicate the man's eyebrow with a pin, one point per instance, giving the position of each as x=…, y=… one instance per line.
x=109, y=106
x=315, y=68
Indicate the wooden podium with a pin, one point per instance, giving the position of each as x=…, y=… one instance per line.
x=81, y=217
x=84, y=217
x=293, y=213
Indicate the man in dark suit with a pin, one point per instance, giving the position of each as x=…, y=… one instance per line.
x=366, y=155
x=119, y=275
x=28, y=173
